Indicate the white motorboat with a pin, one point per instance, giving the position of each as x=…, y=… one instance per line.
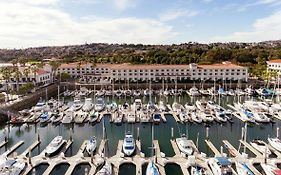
x=118, y=117
x=76, y=105
x=100, y=105
x=39, y=106
x=80, y=117
x=275, y=143
x=55, y=145
x=137, y=93
x=176, y=107
x=88, y=105
x=128, y=92
x=131, y=117
x=190, y=107
x=147, y=92
x=220, y=166
x=152, y=169
x=201, y=105
x=197, y=170
x=119, y=93
x=260, y=117
x=220, y=114
x=44, y=117
x=56, y=118
x=186, y=146
x=11, y=167
x=162, y=107
x=150, y=106
x=68, y=118
x=166, y=92
x=144, y=117
x=260, y=146
x=195, y=117
x=137, y=104
x=206, y=116
x=113, y=106
x=156, y=117
x=129, y=145
x=93, y=116
x=270, y=169
x=184, y=117
x=193, y=91
x=106, y=169
x=243, y=169
x=91, y=145
x=203, y=92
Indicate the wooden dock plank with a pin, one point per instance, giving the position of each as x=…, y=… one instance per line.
x=213, y=148
x=175, y=148
x=31, y=147
x=12, y=149
x=101, y=147
x=3, y=143
x=231, y=148
x=252, y=149
x=82, y=147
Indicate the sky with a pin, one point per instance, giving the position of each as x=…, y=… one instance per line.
x=34, y=23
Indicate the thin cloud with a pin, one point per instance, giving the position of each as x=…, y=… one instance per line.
x=177, y=13
x=25, y=25
x=268, y=28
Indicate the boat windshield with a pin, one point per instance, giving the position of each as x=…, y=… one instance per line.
x=129, y=147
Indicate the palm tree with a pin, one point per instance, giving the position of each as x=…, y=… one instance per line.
x=34, y=70
x=55, y=65
x=6, y=74
x=26, y=72
x=17, y=74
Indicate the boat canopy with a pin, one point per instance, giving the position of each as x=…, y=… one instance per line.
x=223, y=161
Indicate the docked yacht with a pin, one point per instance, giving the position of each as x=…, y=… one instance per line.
x=269, y=169
x=186, y=146
x=144, y=117
x=184, y=117
x=260, y=146
x=275, y=143
x=162, y=107
x=68, y=118
x=88, y=105
x=177, y=107
x=197, y=170
x=195, y=117
x=190, y=107
x=93, y=116
x=39, y=106
x=220, y=166
x=11, y=167
x=131, y=117
x=118, y=117
x=80, y=117
x=106, y=169
x=203, y=92
x=91, y=145
x=193, y=91
x=100, y=105
x=137, y=93
x=260, y=117
x=56, y=118
x=113, y=106
x=206, y=116
x=220, y=114
x=44, y=117
x=129, y=145
x=147, y=92
x=221, y=91
x=119, y=93
x=137, y=104
x=76, y=105
x=55, y=145
x=201, y=104
x=156, y=117
x=243, y=169
x=152, y=169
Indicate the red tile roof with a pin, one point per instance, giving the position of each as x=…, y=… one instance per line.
x=275, y=61
x=42, y=72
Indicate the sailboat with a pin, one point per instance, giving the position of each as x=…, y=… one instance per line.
x=151, y=168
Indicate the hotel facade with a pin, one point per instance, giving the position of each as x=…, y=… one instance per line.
x=274, y=65
x=155, y=72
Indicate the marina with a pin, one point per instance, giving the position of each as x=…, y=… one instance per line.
x=212, y=138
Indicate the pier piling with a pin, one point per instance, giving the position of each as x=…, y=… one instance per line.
x=138, y=133
x=207, y=133
x=172, y=133
x=277, y=132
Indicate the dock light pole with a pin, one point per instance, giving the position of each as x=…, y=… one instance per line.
x=70, y=134
x=38, y=135
x=86, y=171
x=277, y=132
x=207, y=133
x=29, y=156
x=138, y=133
x=172, y=133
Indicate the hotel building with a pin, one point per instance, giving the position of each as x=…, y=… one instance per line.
x=274, y=65
x=156, y=72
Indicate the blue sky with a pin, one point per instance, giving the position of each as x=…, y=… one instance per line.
x=28, y=23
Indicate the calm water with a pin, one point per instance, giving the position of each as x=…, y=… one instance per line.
x=217, y=133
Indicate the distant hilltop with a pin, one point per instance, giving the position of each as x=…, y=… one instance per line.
x=126, y=51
